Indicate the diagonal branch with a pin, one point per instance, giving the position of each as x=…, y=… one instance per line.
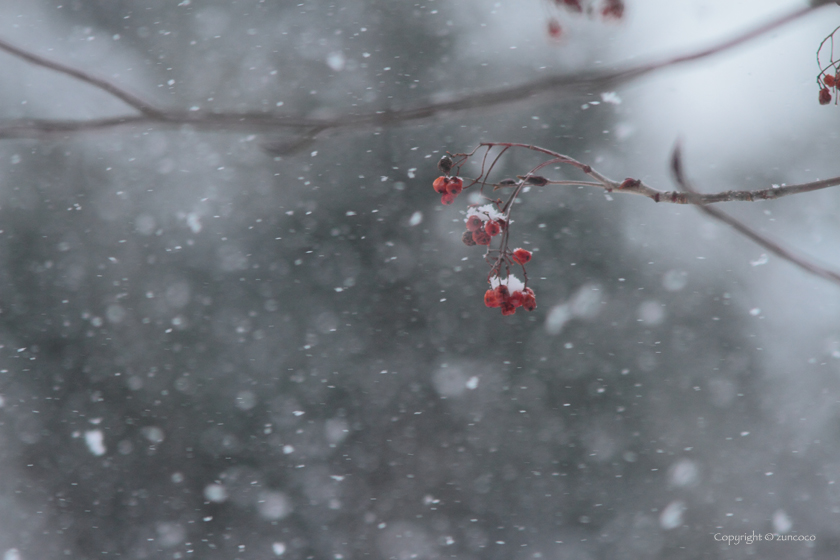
x=770, y=245
x=587, y=81
x=109, y=87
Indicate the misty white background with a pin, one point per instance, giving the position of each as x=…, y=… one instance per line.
x=486, y=438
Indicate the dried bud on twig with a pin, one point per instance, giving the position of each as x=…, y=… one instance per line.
x=536, y=180
x=445, y=165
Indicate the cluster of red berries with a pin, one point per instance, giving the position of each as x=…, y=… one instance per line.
x=510, y=296
x=828, y=81
x=449, y=188
x=482, y=224
x=610, y=9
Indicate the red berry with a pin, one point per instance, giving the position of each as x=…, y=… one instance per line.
x=491, y=299
x=521, y=256
x=825, y=96
x=501, y=222
x=454, y=185
x=447, y=199
x=481, y=237
x=502, y=292
x=829, y=80
x=516, y=299
x=613, y=10
x=440, y=184
x=573, y=5
x=492, y=228
x=529, y=302
x=554, y=29
x=474, y=223
x=507, y=308
x=467, y=238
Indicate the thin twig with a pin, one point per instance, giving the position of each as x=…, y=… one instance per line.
x=231, y=122
x=105, y=85
x=770, y=245
x=631, y=186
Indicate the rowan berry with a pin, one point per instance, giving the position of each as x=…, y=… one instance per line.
x=440, y=185
x=516, y=299
x=467, y=238
x=521, y=256
x=507, y=308
x=454, y=185
x=613, y=10
x=829, y=80
x=825, y=96
x=480, y=237
x=554, y=29
x=492, y=228
x=502, y=292
x=491, y=299
x=446, y=199
x=529, y=302
x=474, y=223
x=573, y=5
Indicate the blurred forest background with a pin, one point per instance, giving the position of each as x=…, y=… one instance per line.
x=211, y=351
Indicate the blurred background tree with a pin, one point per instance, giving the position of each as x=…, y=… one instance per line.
x=210, y=349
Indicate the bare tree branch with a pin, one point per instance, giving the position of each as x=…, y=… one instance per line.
x=770, y=245
x=266, y=122
x=634, y=186
x=109, y=87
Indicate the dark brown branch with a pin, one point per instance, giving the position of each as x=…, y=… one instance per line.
x=585, y=82
x=770, y=245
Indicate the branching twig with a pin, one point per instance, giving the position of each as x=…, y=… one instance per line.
x=310, y=127
x=688, y=195
x=770, y=245
x=634, y=186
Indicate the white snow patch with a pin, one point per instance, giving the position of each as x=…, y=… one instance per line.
x=485, y=212
x=95, y=441
x=781, y=521
x=336, y=61
x=278, y=548
x=762, y=259
x=513, y=283
x=215, y=493
x=273, y=505
x=672, y=516
x=610, y=97
x=194, y=222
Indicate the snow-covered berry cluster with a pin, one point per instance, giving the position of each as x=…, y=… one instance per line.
x=606, y=9
x=487, y=222
x=508, y=294
x=483, y=223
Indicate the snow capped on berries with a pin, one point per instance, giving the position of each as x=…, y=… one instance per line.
x=509, y=295
x=521, y=255
x=486, y=212
x=512, y=283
